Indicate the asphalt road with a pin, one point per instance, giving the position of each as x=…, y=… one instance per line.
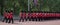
x=50, y=22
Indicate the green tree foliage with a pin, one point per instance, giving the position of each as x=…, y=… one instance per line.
x=22, y=5
x=54, y=5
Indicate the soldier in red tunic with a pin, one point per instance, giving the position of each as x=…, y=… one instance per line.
x=20, y=15
x=11, y=17
x=24, y=16
x=29, y=16
x=36, y=16
x=5, y=16
x=39, y=16
x=33, y=15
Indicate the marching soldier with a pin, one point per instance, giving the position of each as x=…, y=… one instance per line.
x=20, y=15
x=24, y=16
x=11, y=17
x=5, y=16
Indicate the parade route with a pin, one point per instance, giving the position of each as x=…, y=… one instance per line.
x=51, y=22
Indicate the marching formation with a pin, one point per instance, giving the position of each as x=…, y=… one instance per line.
x=31, y=16
x=8, y=16
x=38, y=16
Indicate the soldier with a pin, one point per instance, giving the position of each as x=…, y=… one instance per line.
x=28, y=17
x=24, y=16
x=34, y=15
x=5, y=16
x=20, y=15
x=11, y=17
x=40, y=16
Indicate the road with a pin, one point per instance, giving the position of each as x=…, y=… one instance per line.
x=50, y=22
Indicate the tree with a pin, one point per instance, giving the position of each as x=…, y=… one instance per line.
x=2, y=5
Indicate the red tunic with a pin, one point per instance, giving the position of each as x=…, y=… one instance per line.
x=24, y=15
x=29, y=15
x=33, y=14
x=21, y=14
x=40, y=15
x=37, y=14
x=5, y=14
x=10, y=15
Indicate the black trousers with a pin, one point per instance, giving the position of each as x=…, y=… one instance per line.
x=27, y=18
x=4, y=19
x=20, y=19
x=11, y=20
x=7, y=20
